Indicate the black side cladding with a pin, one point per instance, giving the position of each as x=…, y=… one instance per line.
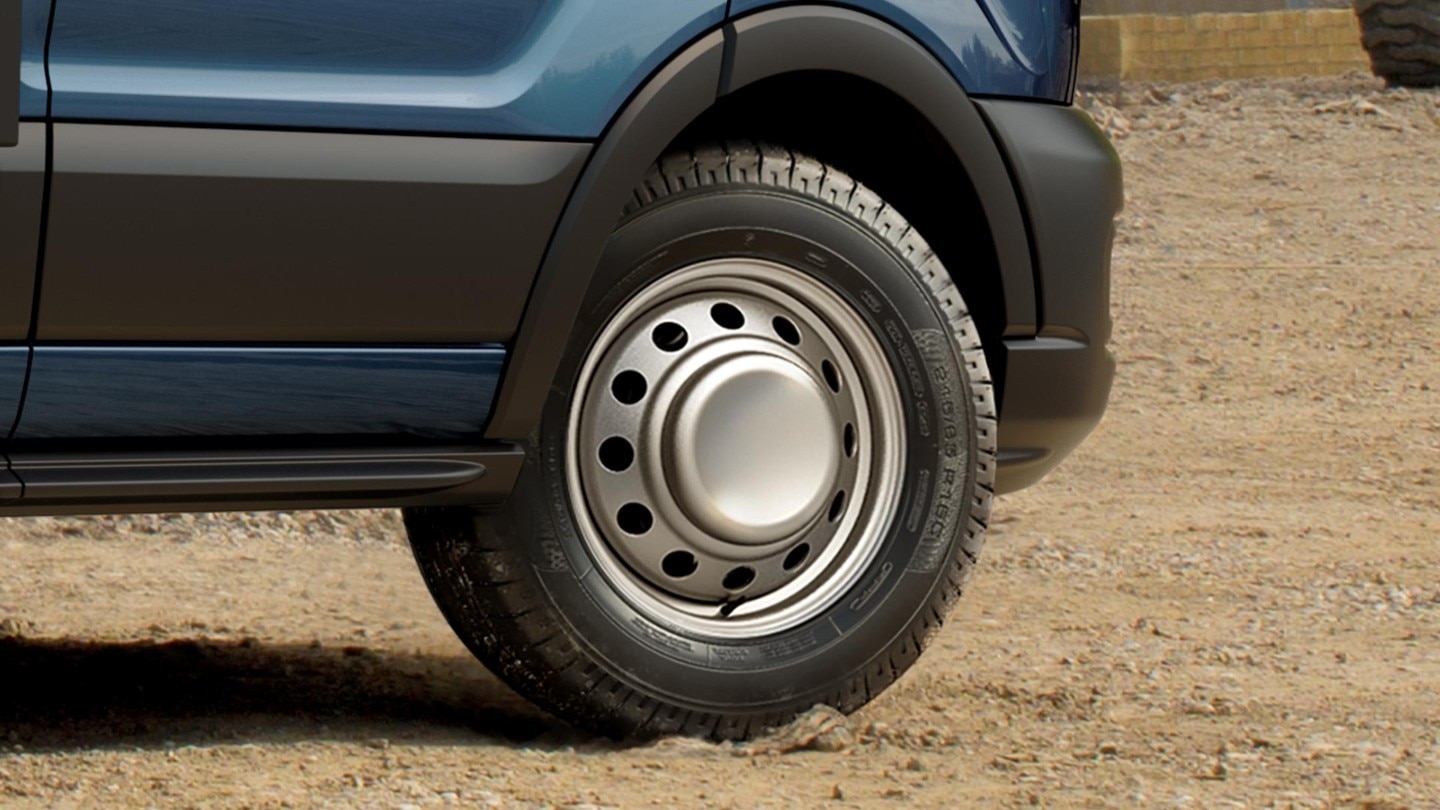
x=300, y=235
x=1057, y=384
x=1070, y=180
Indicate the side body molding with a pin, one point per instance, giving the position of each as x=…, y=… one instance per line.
x=752, y=48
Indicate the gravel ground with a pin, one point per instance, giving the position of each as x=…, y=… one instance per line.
x=1227, y=598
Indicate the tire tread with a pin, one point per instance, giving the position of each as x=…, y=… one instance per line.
x=1403, y=39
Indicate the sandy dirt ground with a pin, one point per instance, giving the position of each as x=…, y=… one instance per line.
x=1227, y=598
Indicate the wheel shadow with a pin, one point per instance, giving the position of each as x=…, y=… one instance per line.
x=67, y=694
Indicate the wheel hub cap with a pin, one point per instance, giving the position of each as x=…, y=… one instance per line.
x=756, y=449
x=733, y=451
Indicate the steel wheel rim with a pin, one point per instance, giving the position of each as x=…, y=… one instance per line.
x=734, y=449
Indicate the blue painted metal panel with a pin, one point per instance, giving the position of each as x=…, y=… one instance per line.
x=12, y=378
x=160, y=391
x=502, y=67
x=992, y=47
x=34, y=20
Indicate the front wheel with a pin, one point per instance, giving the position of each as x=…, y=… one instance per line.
x=762, y=474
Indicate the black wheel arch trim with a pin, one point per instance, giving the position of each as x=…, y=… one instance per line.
x=821, y=38
x=767, y=43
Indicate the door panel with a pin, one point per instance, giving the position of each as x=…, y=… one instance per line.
x=557, y=68
x=22, y=192
x=22, y=189
x=178, y=234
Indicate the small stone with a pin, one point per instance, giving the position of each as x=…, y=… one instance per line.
x=832, y=740
x=820, y=729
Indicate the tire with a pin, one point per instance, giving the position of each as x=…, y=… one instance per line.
x=1403, y=39
x=698, y=612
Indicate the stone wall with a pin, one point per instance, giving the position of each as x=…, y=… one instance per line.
x=1164, y=47
x=1109, y=7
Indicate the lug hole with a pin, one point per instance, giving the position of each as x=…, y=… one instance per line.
x=727, y=315
x=796, y=556
x=629, y=387
x=786, y=330
x=617, y=454
x=738, y=578
x=634, y=518
x=679, y=564
x=831, y=374
x=837, y=506
x=670, y=337
x=849, y=440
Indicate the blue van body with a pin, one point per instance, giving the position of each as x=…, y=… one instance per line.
x=215, y=208
x=558, y=68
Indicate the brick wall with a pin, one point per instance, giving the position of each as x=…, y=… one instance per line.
x=1108, y=7
x=1221, y=46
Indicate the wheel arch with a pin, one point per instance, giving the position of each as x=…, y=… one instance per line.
x=745, y=72
x=895, y=151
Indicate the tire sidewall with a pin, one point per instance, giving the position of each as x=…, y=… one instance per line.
x=821, y=657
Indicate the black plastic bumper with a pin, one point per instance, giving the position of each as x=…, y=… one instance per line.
x=1054, y=386
x=1053, y=396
